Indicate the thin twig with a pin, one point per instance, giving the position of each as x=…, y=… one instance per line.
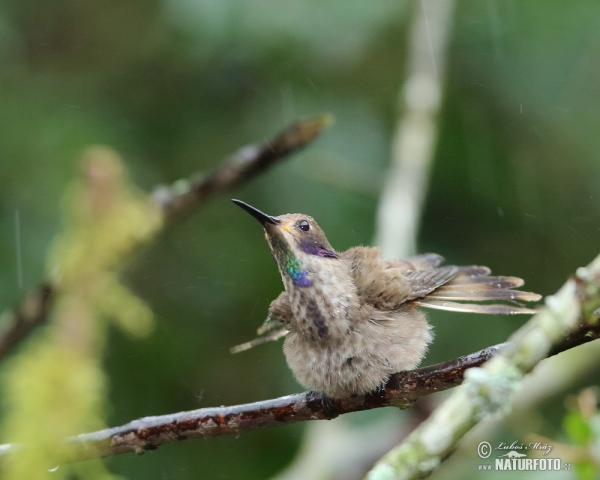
x=180, y=198
x=31, y=313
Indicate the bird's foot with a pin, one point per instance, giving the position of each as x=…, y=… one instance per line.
x=327, y=403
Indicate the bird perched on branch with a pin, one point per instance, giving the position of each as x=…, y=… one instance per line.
x=351, y=318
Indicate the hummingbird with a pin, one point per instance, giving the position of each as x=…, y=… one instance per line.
x=352, y=319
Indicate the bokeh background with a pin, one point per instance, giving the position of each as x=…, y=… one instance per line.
x=177, y=85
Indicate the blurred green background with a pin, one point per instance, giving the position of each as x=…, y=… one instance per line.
x=177, y=85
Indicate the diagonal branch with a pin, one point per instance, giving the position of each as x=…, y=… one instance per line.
x=242, y=166
x=569, y=316
x=182, y=197
x=401, y=391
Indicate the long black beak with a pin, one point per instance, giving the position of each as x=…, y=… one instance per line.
x=263, y=218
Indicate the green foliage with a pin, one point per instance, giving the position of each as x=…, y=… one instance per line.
x=577, y=428
x=582, y=426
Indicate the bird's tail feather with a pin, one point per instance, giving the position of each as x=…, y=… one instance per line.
x=489, y=308
x=474, y=286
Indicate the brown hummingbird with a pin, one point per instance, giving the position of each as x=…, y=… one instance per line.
x=351, y=318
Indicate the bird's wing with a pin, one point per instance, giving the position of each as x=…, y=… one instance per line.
x=424, y=282
x=387, y=284
x=378, y=283
x=274, y=327
x=280, y=309
x=418, y=262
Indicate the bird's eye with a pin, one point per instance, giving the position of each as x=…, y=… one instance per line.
x=304, y=225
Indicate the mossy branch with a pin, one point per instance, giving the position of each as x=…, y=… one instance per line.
x=568, y=316
x=56, y=386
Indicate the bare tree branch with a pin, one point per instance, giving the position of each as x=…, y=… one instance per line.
x=150, y=432
x=401, y=391
x=182, y=197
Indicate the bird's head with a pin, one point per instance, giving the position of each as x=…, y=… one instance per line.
x=294, y=239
